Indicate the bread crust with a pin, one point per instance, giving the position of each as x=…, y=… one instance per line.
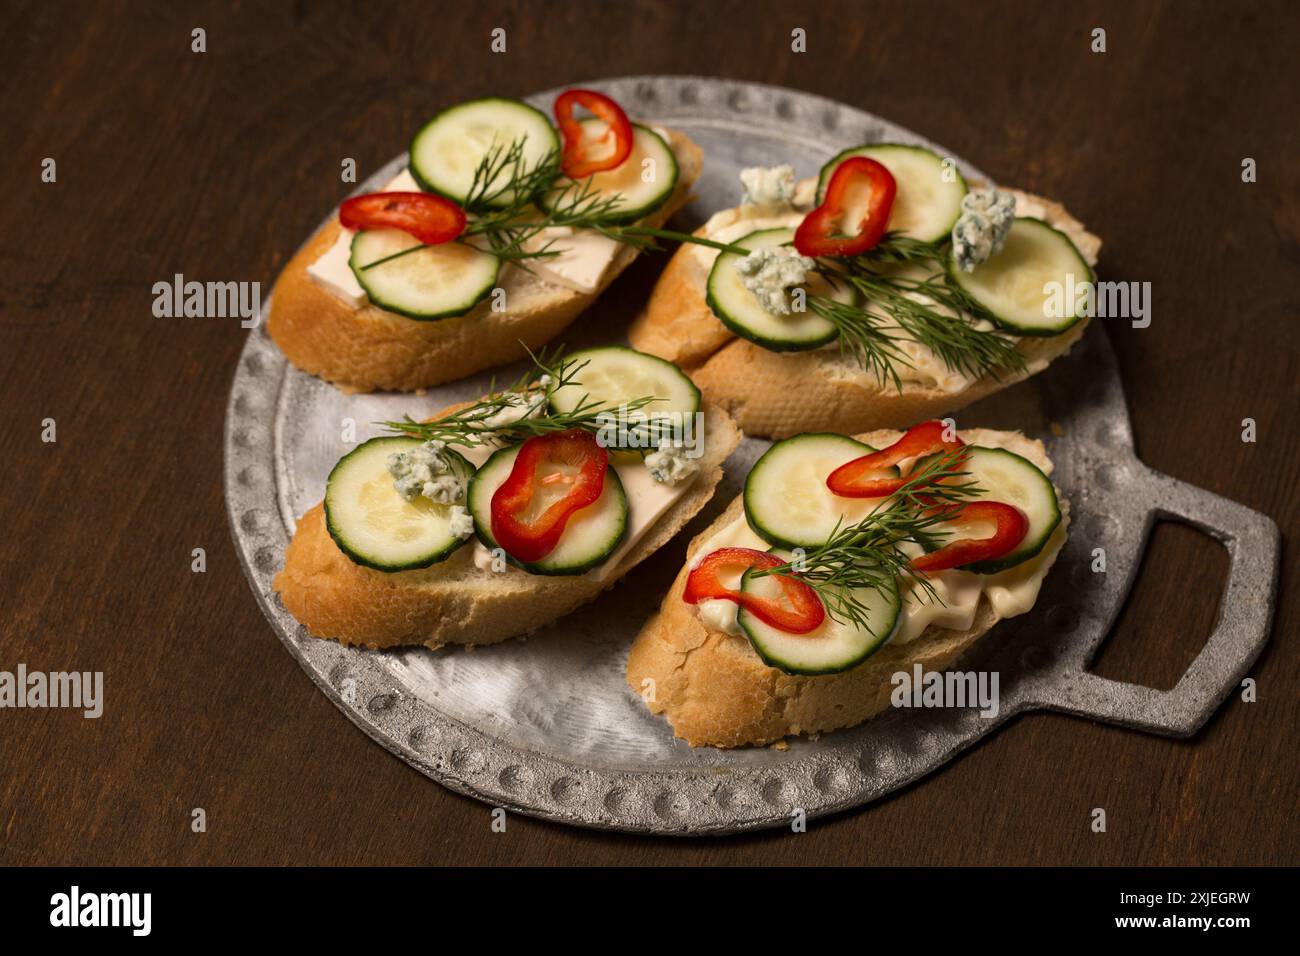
x=454, y=602
x=779, y=394
x=369, y=348
x=716, y=691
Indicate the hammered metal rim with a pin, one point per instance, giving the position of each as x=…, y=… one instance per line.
x=1049, y=670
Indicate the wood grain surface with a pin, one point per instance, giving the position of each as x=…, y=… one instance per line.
x=216, y=165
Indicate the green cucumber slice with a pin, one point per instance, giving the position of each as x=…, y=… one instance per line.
x=448, y=149
x=1007, y=477
x=786, y=499
x=930, y=189
x=434, y=282
x=591, y=535
x=644, y=180
x=616, y=374
x=1011, y=285
x=740, y=310
x=375, y=526
x=835, y=646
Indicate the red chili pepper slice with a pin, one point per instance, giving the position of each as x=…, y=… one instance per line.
x=429, y=218
x=850, y=479
x=805, y=611
x=577, y=160
x=1010, y=527
x=531, y=539
x=822, y=231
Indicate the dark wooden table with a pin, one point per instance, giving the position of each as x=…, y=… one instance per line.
x=216, y=165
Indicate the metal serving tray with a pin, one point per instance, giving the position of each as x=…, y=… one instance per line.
x=546, y=726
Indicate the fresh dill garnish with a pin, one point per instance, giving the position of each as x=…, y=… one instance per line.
x=923, y=308
x=506, y=221
x=503, y=171
x=476, y=424
x=895, y=247
x=511, y=232
x=867, y=555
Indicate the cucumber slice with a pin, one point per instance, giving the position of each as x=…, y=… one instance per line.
x=448, y=149
x=617, y=374
x=1007, y=477
x=435, y=282
x=835, y=646
x=786, y=498
x=1010, y=286
x=740, y=311
x=375, y=526
x=651, y=159
x=929, y=195
x=591, y=535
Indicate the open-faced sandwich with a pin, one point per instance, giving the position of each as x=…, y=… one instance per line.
x=498, y=234
x=883, y=292
x=841, y=566
x=497, y=517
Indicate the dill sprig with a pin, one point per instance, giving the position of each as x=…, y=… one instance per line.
x=475, y=423
x=864, y=337
x=507, y=222
x=896, y=247
x=867, y=554
x=503, y=171
x=578, y=205
x=926, y=309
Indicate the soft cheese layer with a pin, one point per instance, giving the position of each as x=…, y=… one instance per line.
x=1011, y=592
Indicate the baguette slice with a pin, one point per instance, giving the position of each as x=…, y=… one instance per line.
x=360, y=350
x=455, y=602
x=779, y=394
x=717, y=692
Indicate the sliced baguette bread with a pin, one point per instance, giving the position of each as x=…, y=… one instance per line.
x=455, y=602
x=716, y=691
x=778, y=394
x=364, y=349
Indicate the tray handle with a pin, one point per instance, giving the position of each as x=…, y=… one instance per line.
x=1239, y=634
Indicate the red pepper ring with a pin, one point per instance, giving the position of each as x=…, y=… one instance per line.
x=1010, y=527
x=805, y=612
x=821, y=232
x=849, y=479
x=576, y=161
x=533, y=539
x=431, y=219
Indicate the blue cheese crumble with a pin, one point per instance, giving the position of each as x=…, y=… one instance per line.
x=461, y=522
x=769, y=271
x=426, y=472
x=767, y=186
x=669, y=465
x=982, y=227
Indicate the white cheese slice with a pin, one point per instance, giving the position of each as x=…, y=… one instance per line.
x=647, y=500
x=584, y=256
x=332, y=272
